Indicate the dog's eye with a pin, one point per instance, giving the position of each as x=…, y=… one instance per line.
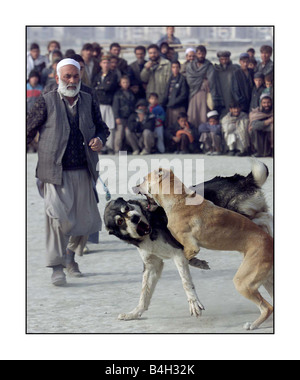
x=120, y=221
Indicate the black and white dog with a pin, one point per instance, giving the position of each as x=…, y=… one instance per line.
x=145, y=225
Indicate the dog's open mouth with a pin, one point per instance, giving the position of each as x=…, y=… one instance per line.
x=143, y=228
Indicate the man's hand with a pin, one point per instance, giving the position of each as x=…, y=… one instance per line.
x=96, y=144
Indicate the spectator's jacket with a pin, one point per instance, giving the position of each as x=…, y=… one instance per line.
x=241, y=87
x=105, y=88
x=123, y=105
x=49, y=117
x=157, y=78
x=179, y=95
x=134, y=125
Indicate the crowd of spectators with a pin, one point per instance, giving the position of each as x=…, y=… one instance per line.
x=158, y=104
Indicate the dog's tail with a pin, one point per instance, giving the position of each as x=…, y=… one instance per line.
x=259, y=172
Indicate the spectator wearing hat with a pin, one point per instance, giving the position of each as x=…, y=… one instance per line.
x=190, y=55
x=35, y=61
x=210, y=134
x=257, y=90
x=224, y=71
x=235, y=129
x=266, y=64
x=242, y=83
x=261, y=123
x=140, y=129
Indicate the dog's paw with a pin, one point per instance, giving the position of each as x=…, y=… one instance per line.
x=202, y=264
x=128, y=316
x=196, y=308
x=249, y=326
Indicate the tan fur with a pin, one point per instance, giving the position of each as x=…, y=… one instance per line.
x=196, y=222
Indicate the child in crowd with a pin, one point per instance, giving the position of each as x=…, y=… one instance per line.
x=160, y=115
x=182, y=135
x=210, y=134
x=259, y=81
x=123, y=106
x=269, y=85
x=34, y=89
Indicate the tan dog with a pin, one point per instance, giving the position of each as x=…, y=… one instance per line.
x=196, y=222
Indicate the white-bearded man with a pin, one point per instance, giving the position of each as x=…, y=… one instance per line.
x=71, y=135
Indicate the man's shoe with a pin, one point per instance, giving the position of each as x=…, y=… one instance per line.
x=58, y=277
x=144, y=152
x=73, y=269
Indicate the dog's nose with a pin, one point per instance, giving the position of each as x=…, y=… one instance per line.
x=136, y=189
x=135, y=219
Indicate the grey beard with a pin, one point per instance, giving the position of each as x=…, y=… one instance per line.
x=63, y=89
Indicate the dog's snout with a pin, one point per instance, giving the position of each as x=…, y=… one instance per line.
x=135, y=219
x=136, y=189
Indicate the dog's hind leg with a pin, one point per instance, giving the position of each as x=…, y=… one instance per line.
x=153, y=267
x=194, y=303
x=247, y=281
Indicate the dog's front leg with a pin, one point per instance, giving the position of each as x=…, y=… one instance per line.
x=195, y=305
x=153, y=267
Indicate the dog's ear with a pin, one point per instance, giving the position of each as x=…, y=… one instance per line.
x=161, y=173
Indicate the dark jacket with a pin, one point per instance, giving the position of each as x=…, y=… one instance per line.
x=123, y=105
x=179, y=95
x=255, y=98
x=134, y=125
x=242, y=88
x=49, y=117
x=105, y=89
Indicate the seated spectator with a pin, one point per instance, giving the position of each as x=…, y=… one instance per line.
x=35, y=61
x=190, y=55
x=176, y=95
x=182, y=136
x=266, y=64
x=160, y=116
x=140, y=129
x=257, y=90
x=115, y=50
x=261, y=124
x=105, y=85
x=34, y=88
x=235, y=129
x=123, y=106
x=269, y=86
x=211, y=134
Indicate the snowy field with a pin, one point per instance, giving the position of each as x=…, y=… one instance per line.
x=113, y=273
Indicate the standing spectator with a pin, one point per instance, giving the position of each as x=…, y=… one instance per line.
x=52, y=45
x=190, y=55
x=182, y=136
x=49, y=72
x=160, y=116
x=105, y=85
x=257, y=90
x=203, y=83
x=33, y=89
x=163, y=50
x=235, y=129
x=71, y=135
x=123, y=106
x=266, y=64
x=97, y=51
x=137, y=67
x=224, y=71
x=35, y=61
x=114, y=67
x=176, y=95
x=140, y=129
x=252, y=64
x=169, y=37
x=91, y=64
x=251, y=53
x=156, y=73
x=261, y=124
x=115, y=50
x=269, y=86
x=242, y=83
x=211, y=135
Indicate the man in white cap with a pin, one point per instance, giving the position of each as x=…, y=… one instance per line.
x=190, y=55
x=71, y=135
x=210, y=134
